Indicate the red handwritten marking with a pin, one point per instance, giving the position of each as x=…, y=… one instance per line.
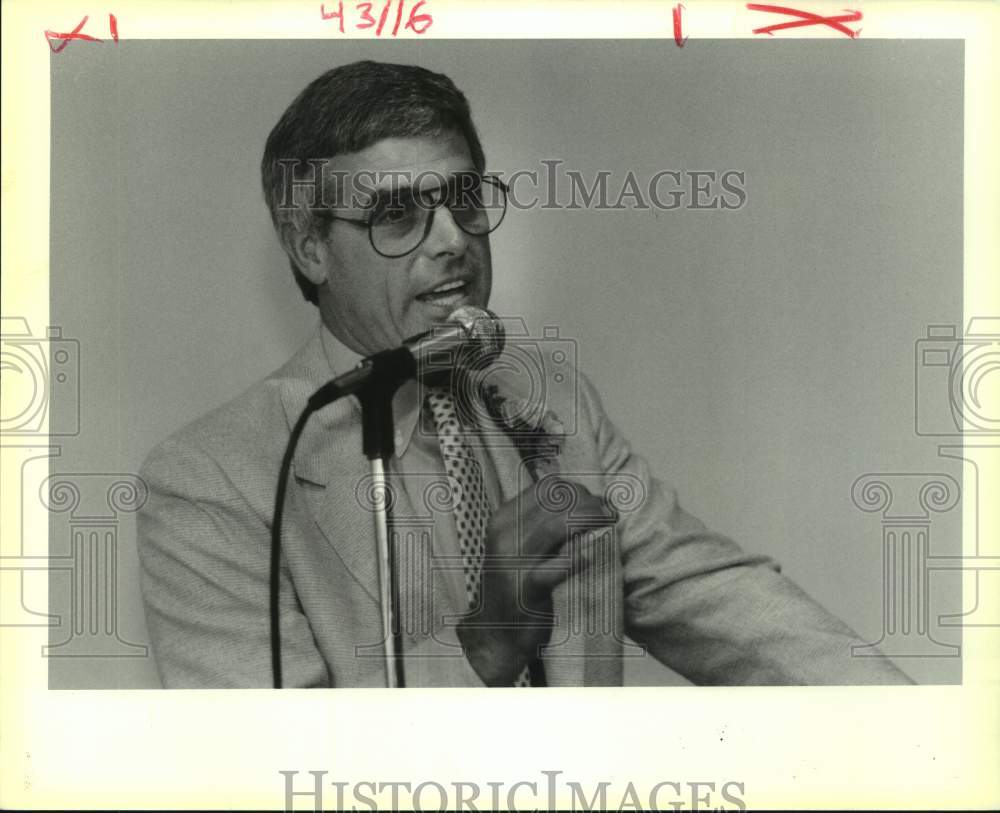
x=382, y=16
x=677, y=26
x=338, y=14
x=399, y=17
x=366, y=15
x=416, y=22
x=807, y=18
x=66, y=37
x=416, y=19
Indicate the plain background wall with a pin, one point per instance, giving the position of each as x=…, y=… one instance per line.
x=761, y=359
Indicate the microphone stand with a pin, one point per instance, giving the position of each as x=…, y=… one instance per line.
x=375, y=384
x=388, y=371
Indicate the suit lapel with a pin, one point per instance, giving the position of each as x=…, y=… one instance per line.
x=336, y=482
x=330, y=466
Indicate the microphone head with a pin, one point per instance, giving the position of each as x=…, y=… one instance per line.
x=467, y=341
x=485, y=332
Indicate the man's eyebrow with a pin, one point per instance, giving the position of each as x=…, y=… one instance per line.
x=393, y=188
x=402, y=181
x=395, y=192
x=388, y=195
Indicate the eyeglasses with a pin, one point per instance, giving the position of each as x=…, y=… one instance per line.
x=400, y=221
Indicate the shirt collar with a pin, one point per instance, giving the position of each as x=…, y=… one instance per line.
x=405, y=409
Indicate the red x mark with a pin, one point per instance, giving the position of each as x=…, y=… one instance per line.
x=75, y=34
x=72, y=35
x=807, y=18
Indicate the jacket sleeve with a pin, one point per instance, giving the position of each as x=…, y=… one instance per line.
x=205, y=569
x=707, y=609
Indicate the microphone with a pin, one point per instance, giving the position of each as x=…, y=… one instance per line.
x=470, y=338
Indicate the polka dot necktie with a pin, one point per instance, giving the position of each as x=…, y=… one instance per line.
x=471, y=510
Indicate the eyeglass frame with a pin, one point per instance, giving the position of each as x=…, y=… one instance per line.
x=367, y=222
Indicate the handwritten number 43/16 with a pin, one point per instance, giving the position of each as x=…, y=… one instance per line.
x=416, y=21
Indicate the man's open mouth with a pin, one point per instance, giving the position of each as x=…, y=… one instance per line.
x=447, y=293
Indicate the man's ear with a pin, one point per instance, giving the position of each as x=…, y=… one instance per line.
x=307, y=250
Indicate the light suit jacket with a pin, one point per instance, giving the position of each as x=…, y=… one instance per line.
x=691, y=598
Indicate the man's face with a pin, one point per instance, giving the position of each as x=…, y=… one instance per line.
x=371, y=302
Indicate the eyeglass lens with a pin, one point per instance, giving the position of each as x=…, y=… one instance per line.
x=400, y=222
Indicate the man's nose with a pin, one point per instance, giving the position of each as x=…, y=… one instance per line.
x=445, y=236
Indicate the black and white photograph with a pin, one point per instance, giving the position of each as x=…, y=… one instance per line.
x=692, y=298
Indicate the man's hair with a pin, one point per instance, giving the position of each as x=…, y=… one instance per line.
x=346, y=110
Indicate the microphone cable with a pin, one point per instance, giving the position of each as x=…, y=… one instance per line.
x=326, y=394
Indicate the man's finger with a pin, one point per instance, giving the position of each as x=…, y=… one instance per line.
x=558, y=496
x=543, y=579
x=588, y=513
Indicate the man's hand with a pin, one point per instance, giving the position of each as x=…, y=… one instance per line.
x=518, y=576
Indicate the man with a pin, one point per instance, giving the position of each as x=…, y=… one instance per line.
x=524, y=570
